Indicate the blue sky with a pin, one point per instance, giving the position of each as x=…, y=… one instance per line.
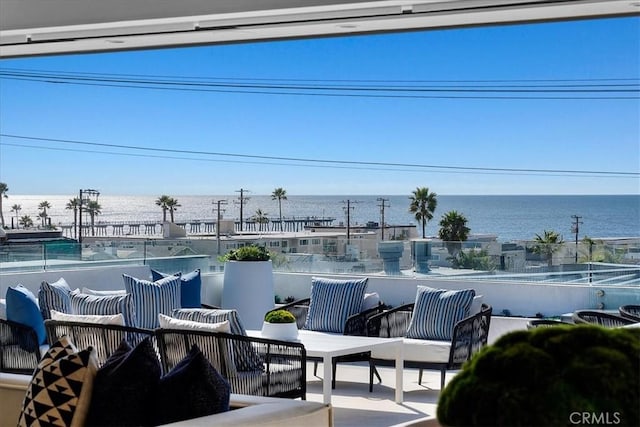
x=376, y=138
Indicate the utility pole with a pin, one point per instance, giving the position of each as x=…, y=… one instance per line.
x=243, y=200
x=347, y=209
x=382, y=206
x=575, y=228
x=219, y=211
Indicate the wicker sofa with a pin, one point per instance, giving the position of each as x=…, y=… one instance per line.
x=19, y=349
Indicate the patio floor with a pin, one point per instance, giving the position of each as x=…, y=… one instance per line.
x=355, y=406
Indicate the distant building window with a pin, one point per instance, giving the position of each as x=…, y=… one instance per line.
x=284, y=244
x=303, y=242
x=315, y=242
x=274, y=244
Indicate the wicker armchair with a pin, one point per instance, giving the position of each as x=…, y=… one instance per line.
x=601, y=318
x=19, y=348
x=631, y=312
x=105, y=339
x=253, y=366
x=469, y=336
x=545, y=323
x=355, y=325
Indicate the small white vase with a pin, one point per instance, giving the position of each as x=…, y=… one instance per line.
x=280, y=331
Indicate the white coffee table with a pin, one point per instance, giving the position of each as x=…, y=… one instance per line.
x=327, y=346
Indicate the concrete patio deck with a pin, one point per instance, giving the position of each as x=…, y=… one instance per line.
x=355, y=406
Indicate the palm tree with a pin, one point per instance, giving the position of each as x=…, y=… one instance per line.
x=3, y=195
x=73, y=205
x=423, y=204
x=280, y=194
x=261, y=218
x=26, y=221
x=172, y=205
x=93, y=209
x=43, y=206
x=17, y=208
x=162, y=202
x=43, y=219
x=453, y=231
x=547, y=245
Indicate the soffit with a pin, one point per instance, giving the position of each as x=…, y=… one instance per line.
x=36, y=27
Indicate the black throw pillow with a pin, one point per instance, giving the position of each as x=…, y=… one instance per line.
x=192, y=389
x=125, y=387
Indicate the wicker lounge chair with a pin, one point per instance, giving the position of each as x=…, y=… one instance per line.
x=600, y=318
x=254, y=366
x=469, y=336
x=545, y=323
x=631, y=312
x=355, y=325
x=19, y=348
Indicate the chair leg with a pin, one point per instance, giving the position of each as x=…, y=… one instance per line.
x=334, y=366
x=375, y=371
x=420, y=377
x=372, y=368
x=443, y=373
x=315, y=368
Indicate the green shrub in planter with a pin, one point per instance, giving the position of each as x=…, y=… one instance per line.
x=247, y=253
x=563, y=375
x=279, y=316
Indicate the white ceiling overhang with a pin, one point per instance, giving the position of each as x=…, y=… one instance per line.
x=47, y=27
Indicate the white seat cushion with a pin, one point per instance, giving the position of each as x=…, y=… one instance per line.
x=417, y=350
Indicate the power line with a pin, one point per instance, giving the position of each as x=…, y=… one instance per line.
x=294, y=165
x=366, y=91
x=72, y=73
x=327, y=162
x=58, y=78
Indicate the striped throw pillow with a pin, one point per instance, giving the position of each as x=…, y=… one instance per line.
x=207, y=315
x=436, y=311
x=332, y=302
x=54, y=296
x=104, y=305
x=245, y=357
x=151, y=298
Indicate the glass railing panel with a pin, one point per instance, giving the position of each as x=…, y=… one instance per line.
x=598, y=262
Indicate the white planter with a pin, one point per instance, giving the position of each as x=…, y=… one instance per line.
x=280, y=331
x=248, y=288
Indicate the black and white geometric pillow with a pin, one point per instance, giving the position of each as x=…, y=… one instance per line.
x=60, y=390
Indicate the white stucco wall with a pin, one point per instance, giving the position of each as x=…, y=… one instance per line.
x=521, y=299
x=98, y=278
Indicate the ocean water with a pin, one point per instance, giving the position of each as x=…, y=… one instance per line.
x=507, y=217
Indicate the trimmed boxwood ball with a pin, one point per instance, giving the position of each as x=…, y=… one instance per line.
x=247, y=253
x=549, y=377
x=279, y=316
